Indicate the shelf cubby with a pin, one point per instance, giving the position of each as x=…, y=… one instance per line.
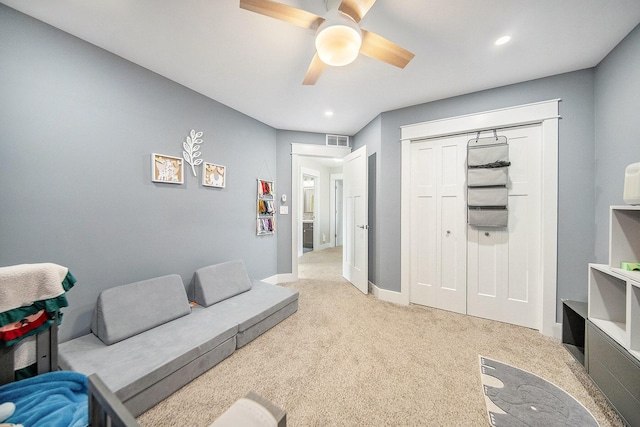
x=574, y=318
x=608, y=302
x=624, y=241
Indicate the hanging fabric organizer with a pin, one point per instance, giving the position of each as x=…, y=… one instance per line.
x=266, y=223
x=487, y=178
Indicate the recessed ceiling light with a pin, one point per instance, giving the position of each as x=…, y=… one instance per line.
x=502, y=40
x=328, y=113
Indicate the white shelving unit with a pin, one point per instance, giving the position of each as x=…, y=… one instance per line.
x=614, y=293
x=612, y=351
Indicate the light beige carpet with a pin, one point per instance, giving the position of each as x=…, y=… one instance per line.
x=348, y=359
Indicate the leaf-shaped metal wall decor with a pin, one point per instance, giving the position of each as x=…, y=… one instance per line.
x=191, y=150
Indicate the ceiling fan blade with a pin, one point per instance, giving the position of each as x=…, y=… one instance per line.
x=356, y=8
x=285, y=13
x=315, y=69
x=379, y=48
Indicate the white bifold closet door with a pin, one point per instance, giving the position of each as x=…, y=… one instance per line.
x=486, y=272
x=504, y=267
x=438, y=223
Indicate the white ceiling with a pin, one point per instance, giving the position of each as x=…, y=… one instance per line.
x=255, y=64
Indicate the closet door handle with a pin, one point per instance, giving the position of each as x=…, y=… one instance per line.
x=486, y=233
x=364, y=227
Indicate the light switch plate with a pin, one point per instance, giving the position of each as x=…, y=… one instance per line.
x=284, y=210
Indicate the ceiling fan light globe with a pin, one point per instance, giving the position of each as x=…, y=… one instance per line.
x=338, y=45
x=338, y=39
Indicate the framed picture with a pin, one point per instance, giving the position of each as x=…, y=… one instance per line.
x=214, y=175
x=167, y=169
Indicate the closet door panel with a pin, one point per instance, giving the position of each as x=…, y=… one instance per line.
x=451, y=228
x=524, y=282
x=426, y=254
x=447, y=227
x=448, y=245
x=423, y=222
x=488, y=269
x=522, y=162
x=449, y=169
x=423, y=163
x=438, y=241
x=517, y=287
x=488, y=261
x=504, y=264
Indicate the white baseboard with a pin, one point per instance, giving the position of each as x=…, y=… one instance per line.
x=280, y=278
x=557, y=331
x=323, y=246
x=386, y=295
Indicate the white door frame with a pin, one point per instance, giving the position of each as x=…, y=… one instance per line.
x=546, y=114
x=298, y=150
x=332, y=208
x=316, y=182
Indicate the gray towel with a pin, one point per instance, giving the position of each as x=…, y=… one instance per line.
x=23, y=284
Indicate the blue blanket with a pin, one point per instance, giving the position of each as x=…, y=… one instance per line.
x=54, y=399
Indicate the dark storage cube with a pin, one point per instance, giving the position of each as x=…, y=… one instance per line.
x=574, y=316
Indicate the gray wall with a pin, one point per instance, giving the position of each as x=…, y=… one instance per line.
x=77, y=127
x=576, y=154
x=617, y=131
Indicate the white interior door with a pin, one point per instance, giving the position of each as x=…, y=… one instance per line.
x=438, y=221
x=504, y=283
x=356, y=234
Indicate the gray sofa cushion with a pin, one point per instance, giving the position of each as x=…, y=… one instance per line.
x=133, y=365
x=255, y=306
x=126, y=310
x=218, y=282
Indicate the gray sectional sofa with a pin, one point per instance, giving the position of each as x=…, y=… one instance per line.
x=148, y=341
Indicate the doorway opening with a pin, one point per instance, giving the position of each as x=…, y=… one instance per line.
x=317, y=249
x=336, y=226
x=309, y=197
x=319, y=208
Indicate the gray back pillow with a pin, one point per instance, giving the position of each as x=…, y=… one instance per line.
x=219, y=282
x=127, y=310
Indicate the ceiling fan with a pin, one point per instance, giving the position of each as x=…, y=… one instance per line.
x=339, y=38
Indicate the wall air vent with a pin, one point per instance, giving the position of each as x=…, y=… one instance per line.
x=338, y=140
